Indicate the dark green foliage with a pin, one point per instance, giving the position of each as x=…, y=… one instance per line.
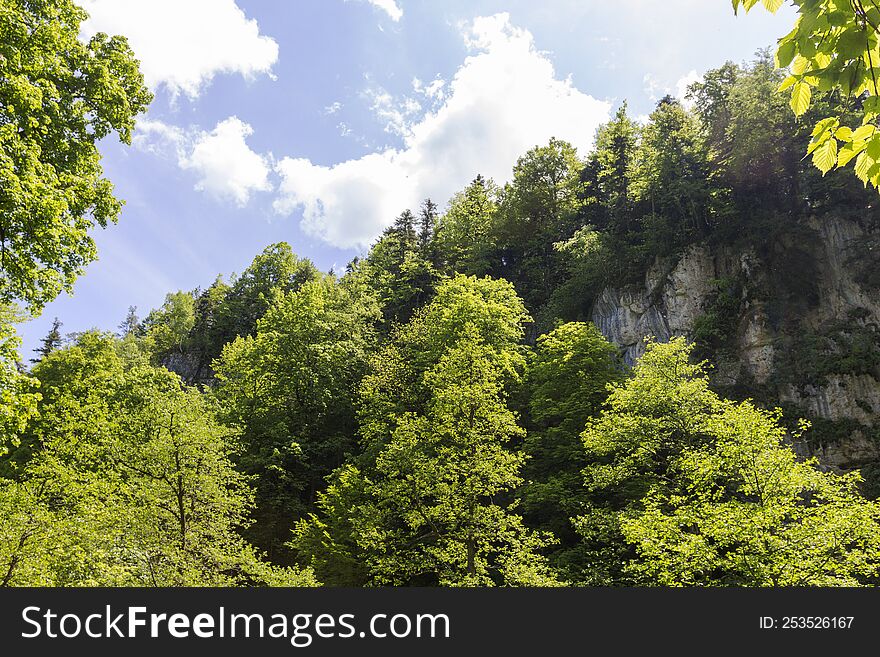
x=465, y=235
x=290, y=390
x=567, y=382
x=51, y=342
x=840, y=348
x=716, y=329
x=402, y=265
x=539, y=208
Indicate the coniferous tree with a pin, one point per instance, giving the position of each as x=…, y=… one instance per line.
x=131, y=325
x=51, y=342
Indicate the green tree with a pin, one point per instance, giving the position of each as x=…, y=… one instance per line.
x=606, y=245
x=131, y=325
x=251, y=292
x=672, y=175
x=51, y=342
x=129, y=482
x=692, y=489
x=400, y=268
x=465, y=236
x=58, y=98
x=432, y=517
x=424, y=502
x=18, y=391
x=567, y=381
x=167, y=329
x=290, y=390
x=834, y=47
x=608, y=175
x=539, y=208
x=709, y=97
x=209, y=331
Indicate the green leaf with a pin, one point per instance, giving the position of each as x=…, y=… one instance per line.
x=863, y=165
x=844, y=133
x=824, y=125
x=863, y=133
x=799, y=65
x=773, y=5
x=825, y=157
x=785, y=53
x=800, y=98
x=787, y=82
x=847, y=153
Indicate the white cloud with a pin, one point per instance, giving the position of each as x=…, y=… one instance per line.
x=503, y=100
x=397, y=115
x=226, y=166
x=683, y=83
x=654, y=88
x=182, y=44
x=434, y=90
x=390, y=7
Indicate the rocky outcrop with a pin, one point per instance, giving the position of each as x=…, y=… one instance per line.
x=805, y=284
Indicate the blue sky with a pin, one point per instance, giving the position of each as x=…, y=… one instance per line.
x=317, y=121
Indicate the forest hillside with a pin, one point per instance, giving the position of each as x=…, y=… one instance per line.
x=612, y=369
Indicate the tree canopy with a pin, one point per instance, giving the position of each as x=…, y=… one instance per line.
x=58, y=98
x=834, y=48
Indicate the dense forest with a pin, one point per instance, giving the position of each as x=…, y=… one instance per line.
x=444, y=412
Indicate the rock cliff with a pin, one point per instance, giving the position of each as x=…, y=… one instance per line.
x=794, y=322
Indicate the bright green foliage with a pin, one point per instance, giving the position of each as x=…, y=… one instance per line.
x=747, y=513
x=395, y=384
x=18, y=396
x=432, y=516
x=190, y=330
x=58, y=98
x=465, y=236
x=290, y=390
x=277, y=267
x=567, y=384
x=704, y=491
x=129, y=483
x=167, y=328
x=424, y=505
x=834, y=46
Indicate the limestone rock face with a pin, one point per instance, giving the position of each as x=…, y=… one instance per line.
x=777, y=305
